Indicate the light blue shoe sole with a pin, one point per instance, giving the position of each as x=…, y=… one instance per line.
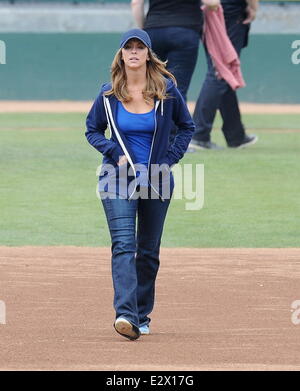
x=144, y=330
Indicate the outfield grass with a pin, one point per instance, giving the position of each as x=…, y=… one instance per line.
x=48, y=183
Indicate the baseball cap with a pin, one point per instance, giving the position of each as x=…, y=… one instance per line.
x=138, y=34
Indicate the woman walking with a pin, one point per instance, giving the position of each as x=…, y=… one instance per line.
x=139, y=107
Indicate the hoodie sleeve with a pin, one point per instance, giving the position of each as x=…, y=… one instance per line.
x=96, y=124
x=186, y=127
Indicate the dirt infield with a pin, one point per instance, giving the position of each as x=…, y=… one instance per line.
x=216, y=309
x=84, y=107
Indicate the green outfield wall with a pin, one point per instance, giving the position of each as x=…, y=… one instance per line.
x=72, y=66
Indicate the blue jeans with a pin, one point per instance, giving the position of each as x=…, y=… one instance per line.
x=178, y=45
x=135, y=254
x=217, y=94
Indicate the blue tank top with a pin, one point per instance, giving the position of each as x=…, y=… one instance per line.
x=138, y=130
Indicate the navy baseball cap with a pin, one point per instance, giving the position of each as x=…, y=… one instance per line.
x=138, y=34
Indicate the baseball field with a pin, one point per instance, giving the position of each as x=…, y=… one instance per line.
x=229, y=271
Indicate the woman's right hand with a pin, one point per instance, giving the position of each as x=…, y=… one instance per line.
x=211, y=4
x=123, y=160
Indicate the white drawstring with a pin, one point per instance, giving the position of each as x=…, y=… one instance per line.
x=108, y=122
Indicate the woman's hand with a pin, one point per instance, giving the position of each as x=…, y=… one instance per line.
x=211, y=4
x=123, y=160
x=251, y=14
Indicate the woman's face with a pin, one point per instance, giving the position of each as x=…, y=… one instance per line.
x=135, y=54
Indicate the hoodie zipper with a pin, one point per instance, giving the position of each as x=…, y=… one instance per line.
x=111, y=122
x=110, y=116
x=155, y=129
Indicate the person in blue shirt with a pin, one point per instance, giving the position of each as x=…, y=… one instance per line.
x=139, y=107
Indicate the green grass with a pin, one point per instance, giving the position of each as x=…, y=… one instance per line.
x=48, y=184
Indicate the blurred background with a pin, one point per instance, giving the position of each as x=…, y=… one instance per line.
x=62, y=50
x=54, y=55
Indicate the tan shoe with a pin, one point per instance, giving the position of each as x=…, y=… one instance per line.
x=126, y=329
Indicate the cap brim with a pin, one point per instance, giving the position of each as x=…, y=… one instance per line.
x=135, y=37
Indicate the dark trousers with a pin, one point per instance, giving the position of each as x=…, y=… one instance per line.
x=135, y=254
x=178, y=45
x=217, y=94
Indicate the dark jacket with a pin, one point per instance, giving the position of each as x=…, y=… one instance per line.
x=103, y=114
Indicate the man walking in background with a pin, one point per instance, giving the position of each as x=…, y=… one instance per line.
x=216, y=93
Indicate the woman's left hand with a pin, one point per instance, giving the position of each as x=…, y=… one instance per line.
x=213, y=5
x=123, y=160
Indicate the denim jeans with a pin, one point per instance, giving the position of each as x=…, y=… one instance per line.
x=135, y=253
x=217, y=94
x=178, y=45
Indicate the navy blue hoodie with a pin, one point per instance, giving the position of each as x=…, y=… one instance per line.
x=103, y=115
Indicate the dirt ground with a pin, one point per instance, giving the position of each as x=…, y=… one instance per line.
x=216, y=309
x=84, y=107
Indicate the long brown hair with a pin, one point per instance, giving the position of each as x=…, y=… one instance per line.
x=156, y=75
